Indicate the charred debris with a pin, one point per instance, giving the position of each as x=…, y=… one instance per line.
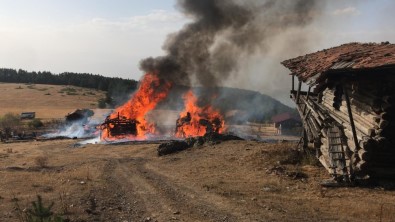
x=211, y=138
x=348, y=110
x=210, y=126
x=119, y=126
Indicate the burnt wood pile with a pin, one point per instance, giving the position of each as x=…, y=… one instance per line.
x=348, y=111
x=211, y=126
x=180, y=145
x=119, y=126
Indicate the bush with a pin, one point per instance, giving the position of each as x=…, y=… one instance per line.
x=35, y=123
x=101, y=103
x=38, y=212
x=9, y=121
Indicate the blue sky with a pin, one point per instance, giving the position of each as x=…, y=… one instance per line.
x=95, y=36
x=110, y=37
x=67, y=10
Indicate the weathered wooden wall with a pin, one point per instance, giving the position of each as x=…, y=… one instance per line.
x=373, y=114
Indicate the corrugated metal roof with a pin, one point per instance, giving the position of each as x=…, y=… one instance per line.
x=352, y=56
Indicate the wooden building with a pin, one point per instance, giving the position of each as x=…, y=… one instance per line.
x=348, y=108
x=287, y=124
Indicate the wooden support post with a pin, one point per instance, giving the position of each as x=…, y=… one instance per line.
x=354, y=132
x=293, y=82
x=298, y=93
x=305, y=116
x=305, y=140
x=307, y=100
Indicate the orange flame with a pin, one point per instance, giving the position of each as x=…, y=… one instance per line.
x=151, y=91
x=195, y=120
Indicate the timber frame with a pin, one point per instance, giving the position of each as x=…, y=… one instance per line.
x=348, y=110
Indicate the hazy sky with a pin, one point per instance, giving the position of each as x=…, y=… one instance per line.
x=110, y=37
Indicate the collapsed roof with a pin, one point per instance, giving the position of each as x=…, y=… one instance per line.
x=348, y=58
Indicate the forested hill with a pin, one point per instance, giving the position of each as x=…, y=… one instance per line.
x=109, y=84
x=256, y=106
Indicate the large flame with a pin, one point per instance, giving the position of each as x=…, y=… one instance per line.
x=151, y=91
x=195, y=120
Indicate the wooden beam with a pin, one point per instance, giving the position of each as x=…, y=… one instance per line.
x=354, y=132
x=293, y=82
x=298, y=93
x=303, y=93
x=307, y=99
x=305, y=140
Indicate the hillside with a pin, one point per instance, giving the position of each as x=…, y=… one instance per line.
x=113, y=85
x=55, y=101
x=253, y=106
x=48, y=101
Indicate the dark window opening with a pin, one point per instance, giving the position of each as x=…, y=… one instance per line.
x=337, y=100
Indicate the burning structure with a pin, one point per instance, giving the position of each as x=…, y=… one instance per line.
x=348, y=110
x=119, y=126
x=197, y=121
x=80, y=115
x=205, y=53
x=128, y=121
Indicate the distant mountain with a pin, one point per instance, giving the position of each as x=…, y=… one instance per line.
x=255, y=106
x=237, y=105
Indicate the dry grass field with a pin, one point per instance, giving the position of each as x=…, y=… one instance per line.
x=48, y=101
x=230, y=181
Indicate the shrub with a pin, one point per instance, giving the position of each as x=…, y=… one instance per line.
x=9, y=121
x=38, y=212
x=71, y=93
x=101, y=103
x=35, y=123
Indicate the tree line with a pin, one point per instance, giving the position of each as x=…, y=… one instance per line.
x=112, y=85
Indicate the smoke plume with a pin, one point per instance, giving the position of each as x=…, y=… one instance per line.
x=222, y=34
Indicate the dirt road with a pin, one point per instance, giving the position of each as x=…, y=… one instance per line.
x=231, y=181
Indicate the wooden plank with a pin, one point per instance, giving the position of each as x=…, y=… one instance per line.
x=307, y=99
x=293, y=83
x=298, y=93
x=344, y=120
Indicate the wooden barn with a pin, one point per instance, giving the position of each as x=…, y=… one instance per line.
x=287, y=124
x=347, y=108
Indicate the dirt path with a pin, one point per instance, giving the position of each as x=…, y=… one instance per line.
x=231, y=181
x=139, y=194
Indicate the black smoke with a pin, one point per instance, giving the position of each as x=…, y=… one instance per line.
x=207, y=51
